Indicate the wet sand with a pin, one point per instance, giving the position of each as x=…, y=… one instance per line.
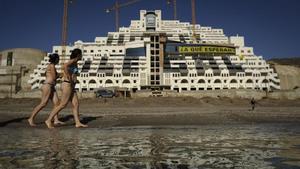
x=119, y=112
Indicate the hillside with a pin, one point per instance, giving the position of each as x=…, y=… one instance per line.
x=286, y=61
x=288, y=70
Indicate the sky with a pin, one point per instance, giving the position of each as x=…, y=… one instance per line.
x=270, y=26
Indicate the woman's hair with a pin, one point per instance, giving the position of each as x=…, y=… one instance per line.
x=75, y=53
x=53, y=58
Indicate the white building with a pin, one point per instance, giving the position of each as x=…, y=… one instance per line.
x=169, y=55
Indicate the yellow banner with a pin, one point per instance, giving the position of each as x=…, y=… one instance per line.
x=206, y=49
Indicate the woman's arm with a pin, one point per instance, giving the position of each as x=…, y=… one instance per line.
x=66, y=67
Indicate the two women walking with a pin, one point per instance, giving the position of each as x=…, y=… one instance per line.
x=69, y=78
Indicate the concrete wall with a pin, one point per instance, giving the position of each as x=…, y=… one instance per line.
x=10, y=79
x=37, y=94
x=287, y=94
x=14, y=78
x=234, y=94
x=23, y=56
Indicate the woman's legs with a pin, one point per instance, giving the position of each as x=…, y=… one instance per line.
x=66, y=93
x=75, y=109
x=46, y=92
x=55, y=102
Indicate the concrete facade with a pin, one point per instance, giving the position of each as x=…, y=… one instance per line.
x=15, y=68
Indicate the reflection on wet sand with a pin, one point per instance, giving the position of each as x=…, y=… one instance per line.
x=226, y=146
x=61, y=151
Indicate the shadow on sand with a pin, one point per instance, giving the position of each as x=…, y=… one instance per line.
x=84, y=120
x=16, y=120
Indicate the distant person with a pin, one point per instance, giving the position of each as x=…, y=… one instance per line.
x=70, y=71
x=253, y=103
x=48, y=90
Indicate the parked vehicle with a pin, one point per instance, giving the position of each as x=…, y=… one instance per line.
x=104, y=93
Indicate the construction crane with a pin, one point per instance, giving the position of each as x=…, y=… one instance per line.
x=116, y=8
x=65, y=27
x=174, y=8
x=193, y=9
x=64, y=32
x=193, y=6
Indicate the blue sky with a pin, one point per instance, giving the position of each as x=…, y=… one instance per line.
x=270, y=26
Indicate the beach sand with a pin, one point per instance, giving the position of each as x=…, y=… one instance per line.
x=118, y=112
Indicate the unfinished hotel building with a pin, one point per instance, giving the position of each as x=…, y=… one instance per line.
x=166, y=55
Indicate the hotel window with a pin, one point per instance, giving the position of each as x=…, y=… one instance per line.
x=56, y=51
x=242, y=51
x=92, y=51
x=84, y=51
x=9, y=59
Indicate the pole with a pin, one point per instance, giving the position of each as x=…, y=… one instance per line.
x=117, y=15
x=193, y=5
x=175, y=9
x=64, y=33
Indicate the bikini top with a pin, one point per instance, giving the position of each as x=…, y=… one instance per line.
x=73, y=69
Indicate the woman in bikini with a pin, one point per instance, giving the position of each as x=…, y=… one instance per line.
x=70, y=70
x=48, y=90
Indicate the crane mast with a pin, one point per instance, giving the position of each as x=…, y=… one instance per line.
x=174, y=8
x=116, y=7
x=65, y=28
x=193, y=5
